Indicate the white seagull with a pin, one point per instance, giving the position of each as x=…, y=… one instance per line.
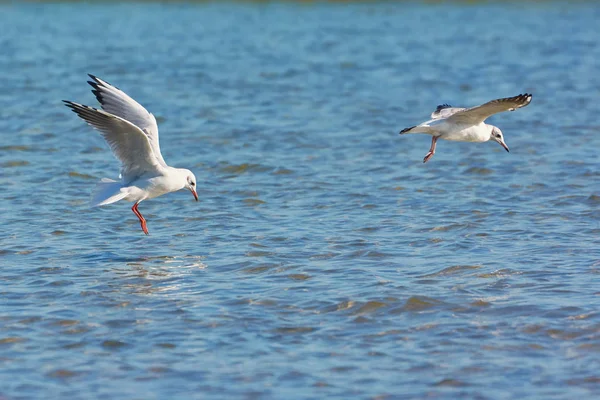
x=132, y=134
x=467, y=124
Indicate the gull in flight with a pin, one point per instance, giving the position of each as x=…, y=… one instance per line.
x=467, y=124
x=132, y=134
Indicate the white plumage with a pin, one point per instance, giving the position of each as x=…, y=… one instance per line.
x=132, y=134
x=467, y=124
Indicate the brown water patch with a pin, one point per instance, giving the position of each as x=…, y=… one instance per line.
x=533, y=328
x=16, y=163
x=166, y=345
x=594, y=199
x=74, y=345
x=282, y=171
x=11, y=340
x=299, y=277
x=501, y=273
x=454, y=270
x=448, y=382
x=63, y=374
x=258, y=245
x=295, y=330
x=242, y=168
x=368, y=229
x=113, y=344
x=369, y=307
x=256, y=270
x=583, y=381
x=253, y=202
x=420, y=303
x=479, y=171
x=77, y=330
x=65, y=322
x=159, y=370
x=258, y=254
x=587, y=347
x=563, y=334
x=15, y=148
x=481, y=303
x=94, y=149
x=341, y=306
x=74, y=174
x=325, y=256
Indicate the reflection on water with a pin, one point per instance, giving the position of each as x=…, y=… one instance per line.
x=324, y=260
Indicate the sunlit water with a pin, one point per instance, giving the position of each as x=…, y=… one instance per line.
x=325, y=260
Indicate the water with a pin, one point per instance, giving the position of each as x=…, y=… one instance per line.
x=324, y=259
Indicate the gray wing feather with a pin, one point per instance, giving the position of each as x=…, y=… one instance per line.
x=476, y=115
x=445, y=112
x=128, y=143
x=117, y=102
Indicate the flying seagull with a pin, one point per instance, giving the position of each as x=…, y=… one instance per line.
x=467, y=124
x=132, y=134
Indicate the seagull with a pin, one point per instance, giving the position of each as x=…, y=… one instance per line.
x=132, y=134
x=467, y=124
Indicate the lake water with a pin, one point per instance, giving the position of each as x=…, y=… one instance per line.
x=324, y=260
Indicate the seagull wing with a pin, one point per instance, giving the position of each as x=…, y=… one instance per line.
x=117, y=102
x=128, y=142
x=476, y=115
x=444, y=111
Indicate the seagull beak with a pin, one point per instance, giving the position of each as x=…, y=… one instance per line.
x=194, y=193
x=505, y=146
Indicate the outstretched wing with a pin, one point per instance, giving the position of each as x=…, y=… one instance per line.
x=117, y=102
x=476, y=115
x=444, y=111
x=128, y=143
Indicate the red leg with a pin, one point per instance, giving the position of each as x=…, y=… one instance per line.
x=431, y=149
x=139, y=215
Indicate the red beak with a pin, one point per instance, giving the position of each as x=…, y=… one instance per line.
x=195, y=194
x=505, y=146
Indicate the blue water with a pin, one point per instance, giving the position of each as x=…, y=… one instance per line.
x=324, y=260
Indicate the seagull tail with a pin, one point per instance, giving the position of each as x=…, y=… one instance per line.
x=106, y=192
x=407, y=130
x=423, y=128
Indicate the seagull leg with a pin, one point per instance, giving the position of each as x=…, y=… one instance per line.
x=431, y=149
x=139, y=215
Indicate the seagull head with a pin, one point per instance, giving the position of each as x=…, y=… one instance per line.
x=496, y=135
x=190, y=183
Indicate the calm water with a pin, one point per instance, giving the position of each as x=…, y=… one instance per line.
x=324, y=259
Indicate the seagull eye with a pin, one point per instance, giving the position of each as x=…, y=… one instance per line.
x=193, y=183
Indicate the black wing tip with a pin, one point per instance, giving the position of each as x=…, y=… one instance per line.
x=406, y=129
x=95, y=84
x=98, y=94
x=76, y=107
x=524, y=98
x=70, y=104
x=442, y=106
x=99, y=83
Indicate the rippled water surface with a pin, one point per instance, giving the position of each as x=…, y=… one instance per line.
x=325, y=260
